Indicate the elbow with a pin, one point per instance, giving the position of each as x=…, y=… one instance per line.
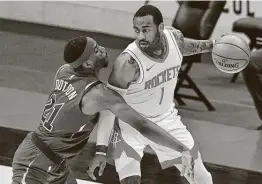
x=142, y=128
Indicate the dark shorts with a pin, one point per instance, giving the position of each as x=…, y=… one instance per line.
x=31, y=166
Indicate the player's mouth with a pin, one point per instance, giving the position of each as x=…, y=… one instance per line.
x=143, y=44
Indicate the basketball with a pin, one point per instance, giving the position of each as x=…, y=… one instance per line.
x=231, y=54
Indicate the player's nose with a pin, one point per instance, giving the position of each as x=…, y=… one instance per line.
x=141, y=36
x=102, y=49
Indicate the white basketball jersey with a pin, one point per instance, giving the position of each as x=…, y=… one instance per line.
x=153, y=93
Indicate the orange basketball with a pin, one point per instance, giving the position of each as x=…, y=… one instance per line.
x=231, y=54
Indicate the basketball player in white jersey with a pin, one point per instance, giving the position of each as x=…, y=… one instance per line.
x=145, y=74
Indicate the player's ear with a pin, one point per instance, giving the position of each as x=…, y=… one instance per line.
x=88, y=64
x=161, y=27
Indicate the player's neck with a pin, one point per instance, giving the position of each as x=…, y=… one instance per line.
x=159, y=49
x=86, y=73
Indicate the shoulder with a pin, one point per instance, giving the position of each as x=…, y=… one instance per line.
x=99, y=93
x=125, y=70
x=99, y=98
x=178, y=36
x=177, y=33
x=91, y=99
x=66, y=68
x=125, y=60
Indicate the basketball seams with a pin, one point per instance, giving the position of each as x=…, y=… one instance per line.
x=247, y=45
x=233, y=45
x=227, y=57
x=243, y=41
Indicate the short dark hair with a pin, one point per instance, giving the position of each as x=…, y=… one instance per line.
x=74, y=49
x=150, y=10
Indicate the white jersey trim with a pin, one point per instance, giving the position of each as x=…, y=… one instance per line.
x=176, y=45
x=121, y=91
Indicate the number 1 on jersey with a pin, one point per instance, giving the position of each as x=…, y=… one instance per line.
x=162, y=95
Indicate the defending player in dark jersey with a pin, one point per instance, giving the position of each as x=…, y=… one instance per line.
x=70, y=114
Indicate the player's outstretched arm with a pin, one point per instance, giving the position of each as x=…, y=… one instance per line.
x=105, y=126
x=189, y=46
x=101, y=98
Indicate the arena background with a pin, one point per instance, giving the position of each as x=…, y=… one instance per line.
x=32, y=36
x=112, y=17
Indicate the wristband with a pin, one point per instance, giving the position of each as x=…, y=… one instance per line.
x=101, y=153
x=101, y=150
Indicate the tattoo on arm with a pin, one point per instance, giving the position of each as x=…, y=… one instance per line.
x=132, y=62
x=179, y=38
x=192, y=47
x=125, y=71
x=189, y=46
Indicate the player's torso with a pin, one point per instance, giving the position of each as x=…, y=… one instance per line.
x=63, y=124
x=153, y=93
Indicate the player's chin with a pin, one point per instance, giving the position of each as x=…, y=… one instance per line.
x=104, y=63
x=144, y=46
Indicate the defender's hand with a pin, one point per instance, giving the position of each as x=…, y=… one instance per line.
x=98, y=161
x=187, y=165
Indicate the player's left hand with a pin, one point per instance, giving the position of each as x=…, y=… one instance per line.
x=98, y=161
x=188, y=165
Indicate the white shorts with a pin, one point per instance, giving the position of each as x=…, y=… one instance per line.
x=129, y=144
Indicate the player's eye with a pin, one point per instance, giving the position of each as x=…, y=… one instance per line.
x=145, y=30
x=136, y=30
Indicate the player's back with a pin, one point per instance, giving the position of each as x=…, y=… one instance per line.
x=153, y=93
x=63, y=125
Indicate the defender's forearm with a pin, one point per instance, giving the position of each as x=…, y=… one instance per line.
x=147, y=128
x=160, y=136
x=104, y=127
x=191, y=46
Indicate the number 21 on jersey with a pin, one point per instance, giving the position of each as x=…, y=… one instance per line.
x=50, y=112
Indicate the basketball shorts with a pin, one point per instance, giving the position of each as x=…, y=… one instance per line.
x=128, y=144
x=31, y=166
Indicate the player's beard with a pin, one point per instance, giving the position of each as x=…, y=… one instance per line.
x=102, y=63
x=92, y=70
x=155, y=43
x=85, y=72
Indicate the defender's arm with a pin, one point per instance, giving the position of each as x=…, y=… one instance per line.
x=104, y=129
x=189, y=46
x=101, y=98
x=125, y=70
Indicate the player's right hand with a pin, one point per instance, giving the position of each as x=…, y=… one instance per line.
x=188, y=165
x=98, y=161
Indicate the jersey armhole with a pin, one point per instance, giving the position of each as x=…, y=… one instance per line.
x=121, y=91
x=141, y=77
x=87, y=89
x=175, y=44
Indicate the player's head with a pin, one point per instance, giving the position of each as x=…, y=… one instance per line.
x=148, y=24
x=85, y=55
